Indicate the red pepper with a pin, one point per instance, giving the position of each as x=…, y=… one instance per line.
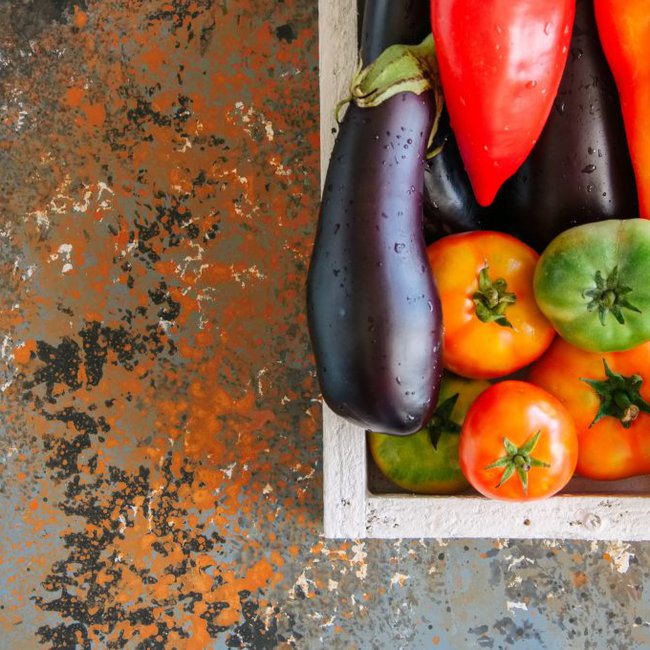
x=624, y=29
x=500, y=65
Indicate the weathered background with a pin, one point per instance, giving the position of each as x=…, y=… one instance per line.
x=160, y=449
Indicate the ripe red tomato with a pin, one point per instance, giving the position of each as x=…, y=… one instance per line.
x=518, y=443
x=608, y=396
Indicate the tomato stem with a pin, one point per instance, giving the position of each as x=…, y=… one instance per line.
x=620, y=397
x=519, y=460
x=492, y=299
x=441, y=421
x=609, y=296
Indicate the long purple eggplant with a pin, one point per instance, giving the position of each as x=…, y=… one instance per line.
x=580, y=169
x=373, y=310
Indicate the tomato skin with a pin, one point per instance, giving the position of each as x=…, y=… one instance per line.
x=486, y=350
x=607, y=450
x=412, y=463
x=500, y=66
x=517, y=410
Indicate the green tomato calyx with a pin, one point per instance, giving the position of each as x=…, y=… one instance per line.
x=619, y=397
x=518, y=460
x=441, y=421
x=492, y=299
x=609, y=296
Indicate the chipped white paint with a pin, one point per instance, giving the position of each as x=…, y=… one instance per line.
x=303, y=583
x=512, y=605
x=586, y=510
x=620, y=555
x=398, y=579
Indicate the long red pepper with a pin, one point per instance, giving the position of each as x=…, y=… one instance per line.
x=624, y=29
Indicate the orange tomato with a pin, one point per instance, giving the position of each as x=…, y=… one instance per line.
x=518, y=443
x=492, y=325
x=609, y=405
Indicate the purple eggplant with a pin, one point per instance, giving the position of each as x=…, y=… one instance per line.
x=580, y=170
x=373, y=309
x=449, y=203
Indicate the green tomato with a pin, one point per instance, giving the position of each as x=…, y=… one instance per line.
x=593, y=284
x=413, y=462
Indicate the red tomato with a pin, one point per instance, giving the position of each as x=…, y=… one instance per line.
x=500, y=62
x=518, y=443
x=609, y=404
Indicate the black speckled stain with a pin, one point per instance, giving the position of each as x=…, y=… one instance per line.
x=30, y=17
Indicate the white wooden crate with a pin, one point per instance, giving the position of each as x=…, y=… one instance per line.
x=585, y=510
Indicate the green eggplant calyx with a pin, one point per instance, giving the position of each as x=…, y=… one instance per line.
x=398, y=69
x=442, y=422
x=619, y=397
x=492, y=299
x=609, y=296
x=518, y=460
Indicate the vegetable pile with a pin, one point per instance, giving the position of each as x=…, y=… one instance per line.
x=478, y=296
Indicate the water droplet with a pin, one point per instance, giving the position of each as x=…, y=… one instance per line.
x=590, y=187
x=398, y=380
x=531, y=84
x=342, y=312
x=590, y=150
x=547, y=28
x=409, y=141
x=430, y=306
x=336, y=272
x=399, y=247
x=380, y=264
x=498, y=28
x=588, y=169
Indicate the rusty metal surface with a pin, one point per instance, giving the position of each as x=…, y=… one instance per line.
x=160, y=441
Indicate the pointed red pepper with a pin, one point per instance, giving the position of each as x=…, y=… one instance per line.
x=500, y=62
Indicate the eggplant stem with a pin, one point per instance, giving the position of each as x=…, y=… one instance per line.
x=398, y=69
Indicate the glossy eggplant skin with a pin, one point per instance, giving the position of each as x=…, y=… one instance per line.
x=449, y=203
x=372, y=306
x=580, y=169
